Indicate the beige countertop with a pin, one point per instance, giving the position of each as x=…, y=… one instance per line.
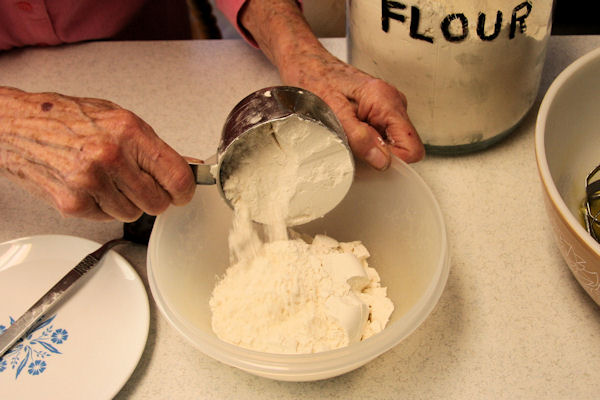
x=512, y=321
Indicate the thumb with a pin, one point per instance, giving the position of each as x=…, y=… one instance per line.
x=367, y=144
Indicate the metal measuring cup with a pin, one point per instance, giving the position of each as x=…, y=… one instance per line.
x=259, y=108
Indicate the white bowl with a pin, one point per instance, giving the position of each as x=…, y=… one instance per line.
x=395, y=215
x=567, y=144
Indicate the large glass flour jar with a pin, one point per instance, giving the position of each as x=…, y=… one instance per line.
x=470, y=68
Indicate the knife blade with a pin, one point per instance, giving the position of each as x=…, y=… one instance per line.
x=52, y=297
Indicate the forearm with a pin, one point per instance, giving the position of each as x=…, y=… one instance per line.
x=284, y=36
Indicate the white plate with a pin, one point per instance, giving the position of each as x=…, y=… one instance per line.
x=91, y=342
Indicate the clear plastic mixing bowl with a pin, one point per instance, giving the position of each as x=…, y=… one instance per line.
x=393, y=213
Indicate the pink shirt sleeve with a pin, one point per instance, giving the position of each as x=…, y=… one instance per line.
x=52, y=22
x=231, y=9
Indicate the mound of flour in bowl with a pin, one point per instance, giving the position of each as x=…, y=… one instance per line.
x=296, y=297
x=290, y=294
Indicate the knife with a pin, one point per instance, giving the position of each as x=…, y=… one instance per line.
x=45, y=304
x=133, y=232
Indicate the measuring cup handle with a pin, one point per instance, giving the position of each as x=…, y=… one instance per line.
x=202, y=173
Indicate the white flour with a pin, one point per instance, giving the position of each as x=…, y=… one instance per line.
x=459, y=92
x=293, y=297
x=290, y=170
x=285, y=295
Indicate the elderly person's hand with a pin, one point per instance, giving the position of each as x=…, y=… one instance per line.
x=372, y=112
x=90, y=158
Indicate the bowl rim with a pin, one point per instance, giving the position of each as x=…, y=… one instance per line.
x=540, y=150
x=304, y=367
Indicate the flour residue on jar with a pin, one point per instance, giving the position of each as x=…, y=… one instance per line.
x=470, y=69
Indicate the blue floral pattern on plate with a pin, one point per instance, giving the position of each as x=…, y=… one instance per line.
x=30, y=353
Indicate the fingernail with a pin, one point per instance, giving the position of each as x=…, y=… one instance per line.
x=377, y=158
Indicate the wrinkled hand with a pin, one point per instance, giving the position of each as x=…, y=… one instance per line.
x=372, y=112
x=88, y=157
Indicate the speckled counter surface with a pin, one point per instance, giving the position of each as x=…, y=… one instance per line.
x=512, y=322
